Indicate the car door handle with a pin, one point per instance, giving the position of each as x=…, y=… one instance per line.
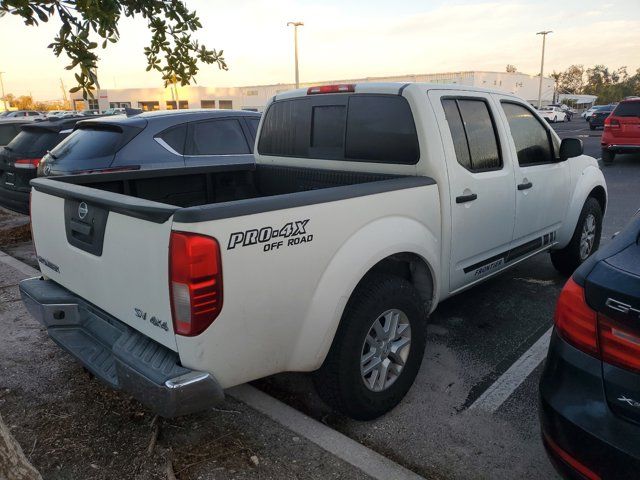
x=525, y=186
x=466, y=198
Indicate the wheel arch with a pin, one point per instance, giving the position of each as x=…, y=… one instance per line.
x=395, y=245
x=590, y=184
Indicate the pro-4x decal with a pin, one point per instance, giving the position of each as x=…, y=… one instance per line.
x=272, y=238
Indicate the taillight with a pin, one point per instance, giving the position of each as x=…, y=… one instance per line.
x=341, y=88
x=27, y=163
x=575, y=321
x=613, y=123
x=195, y=282
x=618, y=346
x=593, y=333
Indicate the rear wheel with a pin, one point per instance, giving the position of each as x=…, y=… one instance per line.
x=584, y=242
x=377, y=350
x=592, y=127
x=607, y=157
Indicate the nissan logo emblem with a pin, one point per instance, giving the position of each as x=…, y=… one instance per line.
x=82, y=210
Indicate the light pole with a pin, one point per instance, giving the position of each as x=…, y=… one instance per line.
x=295, y=41
x=4, y=100
x=544, y=38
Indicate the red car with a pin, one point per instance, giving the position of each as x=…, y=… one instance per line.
x=621, y=130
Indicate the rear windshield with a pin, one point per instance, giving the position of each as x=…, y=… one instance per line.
x=358, y=127
x=34, y=143
x=628, y=109
x=87, y=143
x=7, y=132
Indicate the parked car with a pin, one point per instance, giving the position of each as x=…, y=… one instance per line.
x=20, y=158
x=597, y=118
x=161, y=139
x=590, y=387
x=115, y=111
x=587, y=113
x=621, y=130
x=368, y=205
x=553, y=114
x=10, y=128
x=566, y=109
x=31, y=114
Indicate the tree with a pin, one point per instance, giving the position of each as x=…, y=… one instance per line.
x=571, y=80
x=172, y=51
x=511, y=68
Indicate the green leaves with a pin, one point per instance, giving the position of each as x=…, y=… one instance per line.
x=171, y=51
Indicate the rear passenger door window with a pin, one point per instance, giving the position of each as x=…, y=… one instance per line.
x=217, y=137
x=530, y=137
x=473, y=134
x=215, y=142
x=173, y=139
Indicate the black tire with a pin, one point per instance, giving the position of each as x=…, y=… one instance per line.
x=339, y=381
x=592, y=127
x=607, y=157
x=569, y=258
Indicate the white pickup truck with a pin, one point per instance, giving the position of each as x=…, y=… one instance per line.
x=367, y=206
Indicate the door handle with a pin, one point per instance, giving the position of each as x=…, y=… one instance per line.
x=525, y=186
x=466, y=198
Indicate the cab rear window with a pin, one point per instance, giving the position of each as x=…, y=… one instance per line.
x=358, y=127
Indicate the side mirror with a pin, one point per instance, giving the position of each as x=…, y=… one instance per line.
x=570, y=147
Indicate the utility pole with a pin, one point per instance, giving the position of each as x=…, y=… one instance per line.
x=4, y=100
x=295, y=40
x=544, y=38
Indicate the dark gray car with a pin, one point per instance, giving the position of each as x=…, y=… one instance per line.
x=152, y=140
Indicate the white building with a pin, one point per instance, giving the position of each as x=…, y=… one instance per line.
x=256, y=97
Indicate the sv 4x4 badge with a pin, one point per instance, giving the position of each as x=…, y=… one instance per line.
x=293, y=233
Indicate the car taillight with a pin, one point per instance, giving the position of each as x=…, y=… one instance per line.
x=594, y=333
x=618, y=346
x=195, y=282
x=611, y=123
x=561, y=454
x=575, y=321
x=341, y=88
x=27, y=163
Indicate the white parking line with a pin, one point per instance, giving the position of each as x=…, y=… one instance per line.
x=509, y=381
x=341, y=446
x=352, y=452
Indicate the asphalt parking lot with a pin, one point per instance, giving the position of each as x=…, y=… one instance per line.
x=471, y=414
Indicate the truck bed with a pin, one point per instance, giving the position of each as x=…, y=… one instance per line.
x=208, y=193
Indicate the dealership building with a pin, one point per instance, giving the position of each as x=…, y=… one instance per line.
x=255, y=97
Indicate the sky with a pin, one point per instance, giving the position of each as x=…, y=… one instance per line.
x=344, y=39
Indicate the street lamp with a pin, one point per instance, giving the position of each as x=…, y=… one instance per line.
x=295, y=40
x=544, y=38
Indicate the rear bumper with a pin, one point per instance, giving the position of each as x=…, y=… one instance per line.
x=117, y=354
x=618, y=148
x=574, y=414
x=14, y=200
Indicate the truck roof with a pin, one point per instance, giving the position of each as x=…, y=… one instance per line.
x=394, y=88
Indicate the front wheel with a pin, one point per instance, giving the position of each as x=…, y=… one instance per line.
x=377, y=350
x=584, y=242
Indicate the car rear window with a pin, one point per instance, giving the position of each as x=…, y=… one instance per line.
x=88, y=143
x=34, y=142
x=358, y=127
x=627, y=109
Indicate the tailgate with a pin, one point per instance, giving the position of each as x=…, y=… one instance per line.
x=110, y=249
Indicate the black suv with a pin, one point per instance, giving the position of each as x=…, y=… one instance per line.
x=598, y=117
x=590, y=387
x=20, y=158
x=161, y=139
